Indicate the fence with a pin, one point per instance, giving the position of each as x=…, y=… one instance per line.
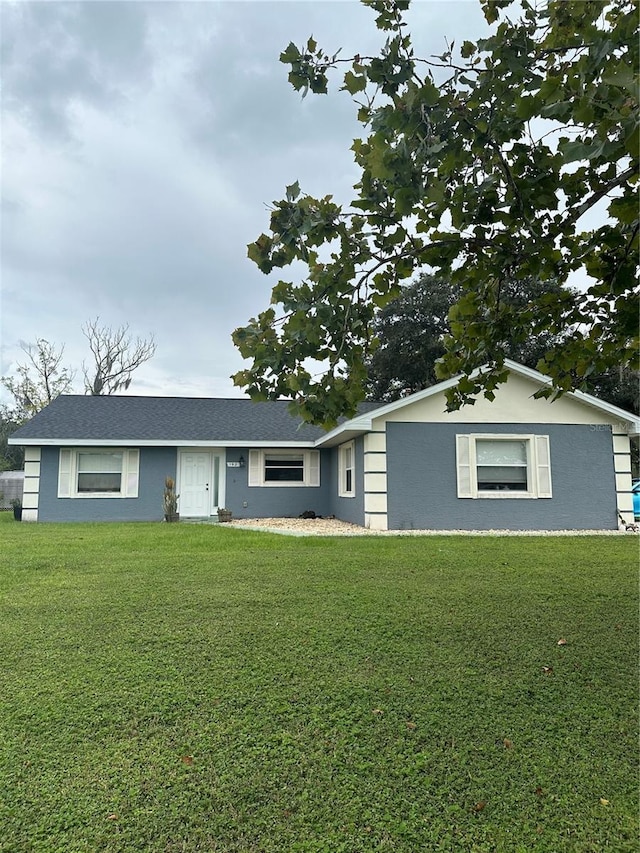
x=11, y=487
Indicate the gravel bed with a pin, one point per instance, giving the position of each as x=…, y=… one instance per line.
x=335, y=527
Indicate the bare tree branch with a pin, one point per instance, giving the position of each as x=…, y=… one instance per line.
x=115, y=357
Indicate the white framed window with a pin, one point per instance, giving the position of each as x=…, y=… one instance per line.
x=284, y=468
x=94, y=472
x=503, y=466
x=346, y=470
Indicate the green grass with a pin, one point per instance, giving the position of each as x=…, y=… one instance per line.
x=187, y=688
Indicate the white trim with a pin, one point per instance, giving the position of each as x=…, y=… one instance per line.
x=621, y=443
x=622, y=463
x=31, y=484
x=538, y=466
x=623, y=482
x=100, y=442
x=375, y=482
x=376, y=521
x=376, y=503
x=31, y=468
x=625, y=505
x=622, y=474
x=375, y=462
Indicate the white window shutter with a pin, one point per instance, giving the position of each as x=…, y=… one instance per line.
x=64, y=474
x=314, y=468
x=463, y=466
x=543, y=466
x=255, y=468
x=132, y=473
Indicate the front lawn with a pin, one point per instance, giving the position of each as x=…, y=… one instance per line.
x=190, y=688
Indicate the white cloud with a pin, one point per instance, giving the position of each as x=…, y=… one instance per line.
x=141, y=145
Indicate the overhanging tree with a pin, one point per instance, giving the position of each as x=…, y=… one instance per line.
x=492, y=172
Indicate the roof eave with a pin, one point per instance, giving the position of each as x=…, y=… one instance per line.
x=346, y=431
x=628, y=422
x=137, y=442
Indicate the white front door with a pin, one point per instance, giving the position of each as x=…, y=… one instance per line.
x=200, y=483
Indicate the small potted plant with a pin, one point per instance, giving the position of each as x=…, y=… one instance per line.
x=16, y=503
x=224, y=514
x=170, y=500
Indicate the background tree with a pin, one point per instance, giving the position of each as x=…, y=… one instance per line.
x=115, y=357
x=411, y=331
x=39, y=380
x=494, y=174
x=43, y=377
x=11, y=458
x=620, y=386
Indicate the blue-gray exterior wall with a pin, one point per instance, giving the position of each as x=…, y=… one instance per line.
x=291, y=501
x=348, y=509
x=422, y=485
x=156, y=463
x=274, y=501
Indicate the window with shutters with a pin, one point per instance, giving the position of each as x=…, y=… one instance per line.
x=346, y=479
x=503, y=466
x=98, y=473
x=281, y=468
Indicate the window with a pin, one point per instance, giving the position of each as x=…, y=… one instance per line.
x=346, y=472
x=503, y=466
x=98, y=473
x=282, y=468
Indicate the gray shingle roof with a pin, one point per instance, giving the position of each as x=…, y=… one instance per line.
x=171, y=419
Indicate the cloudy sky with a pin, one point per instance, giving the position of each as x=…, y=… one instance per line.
x=141, y=145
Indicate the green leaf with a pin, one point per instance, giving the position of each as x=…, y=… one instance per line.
x=575, y=150
x=291, y=54
x=293, y=191
x=526, y=107
x=624, y=209
x=632, y=142
x=354, y=83
x=468, y=49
